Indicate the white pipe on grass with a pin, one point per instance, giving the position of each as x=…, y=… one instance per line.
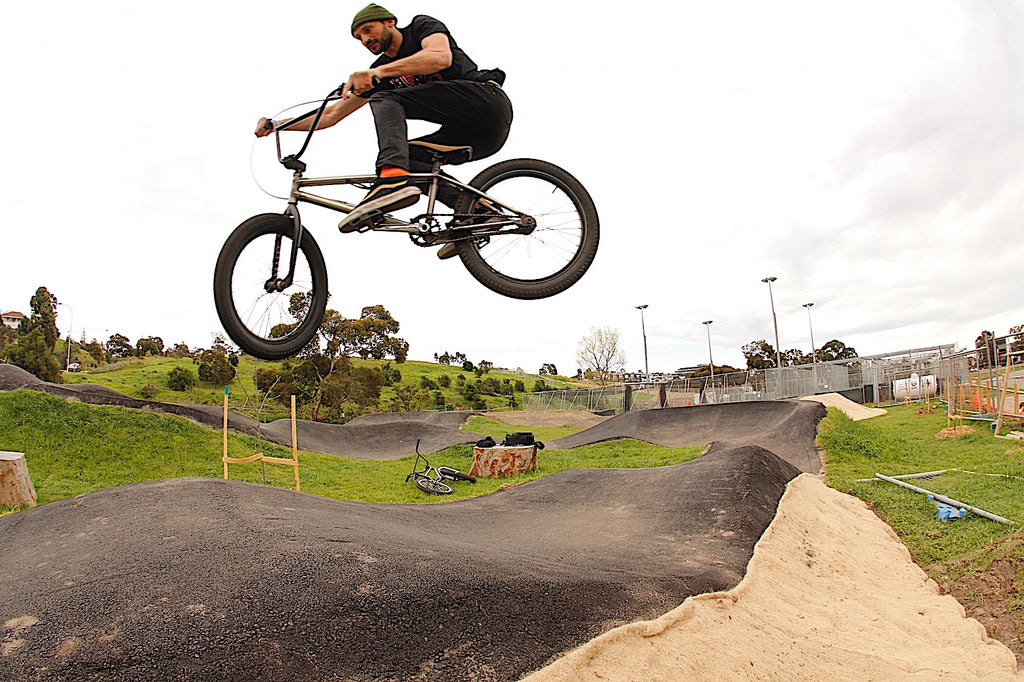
x=942, y=498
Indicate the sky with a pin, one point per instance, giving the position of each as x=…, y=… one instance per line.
x=865, y=154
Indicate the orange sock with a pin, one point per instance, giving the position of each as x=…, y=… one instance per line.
x=392, y=172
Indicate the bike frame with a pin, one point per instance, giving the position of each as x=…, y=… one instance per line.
x=424, y=224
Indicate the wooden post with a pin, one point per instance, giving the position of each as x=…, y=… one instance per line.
x=295, y=448
x=15, y=484
x=224, y=457
x=1001, y=394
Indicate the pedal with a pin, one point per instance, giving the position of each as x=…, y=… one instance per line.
x=364, y=223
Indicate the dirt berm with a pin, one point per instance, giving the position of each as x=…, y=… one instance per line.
x=205, y=579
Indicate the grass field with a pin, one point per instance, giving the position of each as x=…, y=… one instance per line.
x=74, y=448
x=904, y=442
x=980, y=562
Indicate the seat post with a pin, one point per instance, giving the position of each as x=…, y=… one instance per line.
x=435, y=171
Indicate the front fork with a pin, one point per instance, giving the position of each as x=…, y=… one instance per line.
x=275, y=283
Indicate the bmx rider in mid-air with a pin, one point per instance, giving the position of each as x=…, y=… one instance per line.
x=422, y=74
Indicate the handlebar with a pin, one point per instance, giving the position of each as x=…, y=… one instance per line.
x=292, y=162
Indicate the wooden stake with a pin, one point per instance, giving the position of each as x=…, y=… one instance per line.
x=224, y=457
x=295, y=448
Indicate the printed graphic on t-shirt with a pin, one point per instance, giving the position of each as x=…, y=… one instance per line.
x=409, y=81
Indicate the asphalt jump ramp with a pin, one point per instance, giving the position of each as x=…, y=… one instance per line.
x=207, y=579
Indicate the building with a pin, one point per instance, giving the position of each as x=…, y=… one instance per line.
x=12, y=319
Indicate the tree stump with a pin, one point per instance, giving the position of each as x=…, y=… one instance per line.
x=503, y=461
x=15, y=485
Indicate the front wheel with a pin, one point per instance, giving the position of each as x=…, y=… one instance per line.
x=265, y=318
x=559, y=249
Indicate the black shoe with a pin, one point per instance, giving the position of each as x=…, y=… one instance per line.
x=386, y=195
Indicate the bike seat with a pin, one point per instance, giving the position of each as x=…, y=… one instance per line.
x=447, y=153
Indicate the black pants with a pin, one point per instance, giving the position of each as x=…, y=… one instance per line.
x=469, y=113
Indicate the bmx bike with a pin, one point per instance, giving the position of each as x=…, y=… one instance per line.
x=524, y=228
x=434, y=480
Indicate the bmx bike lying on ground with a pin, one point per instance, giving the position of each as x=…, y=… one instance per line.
x=524, y=228
x=433, y=480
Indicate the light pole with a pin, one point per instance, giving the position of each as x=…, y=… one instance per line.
x=71, y=325
x=814, y=351
x=647, y=371
x=711, y=362
x=775, y=324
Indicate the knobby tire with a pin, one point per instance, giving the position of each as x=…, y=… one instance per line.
x=559, y=251
x=259, y=322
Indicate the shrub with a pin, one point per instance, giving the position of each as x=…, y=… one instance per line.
x=147, y=392
x=214, y=368
x=181, y=379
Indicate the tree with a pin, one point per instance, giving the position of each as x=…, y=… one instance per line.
x=600, y=352
x=150, y=345
x=836, y=350
x=32, y=355
x=118, y=346
x=759, y=354
x=95, y=350
x=214, y=367
x=43, y=317
x=794, y=357
x=370, y=336
x=180, y=350
x=548, y=368
x=7, y=336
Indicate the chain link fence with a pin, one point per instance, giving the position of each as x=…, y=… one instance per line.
x=934, y=372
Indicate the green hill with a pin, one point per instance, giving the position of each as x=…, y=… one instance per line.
x=431, y=385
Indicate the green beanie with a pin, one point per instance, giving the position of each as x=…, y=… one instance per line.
x=371, y=12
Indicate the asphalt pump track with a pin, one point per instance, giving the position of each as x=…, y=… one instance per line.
x=221, y=580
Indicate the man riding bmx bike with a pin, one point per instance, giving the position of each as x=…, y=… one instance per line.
x=421, y=74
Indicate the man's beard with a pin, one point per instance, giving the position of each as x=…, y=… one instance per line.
x=384, y=43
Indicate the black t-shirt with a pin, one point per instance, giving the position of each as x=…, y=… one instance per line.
x=461, y=68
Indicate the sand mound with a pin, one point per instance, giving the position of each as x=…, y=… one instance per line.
x=854, y=411
x=830, y=593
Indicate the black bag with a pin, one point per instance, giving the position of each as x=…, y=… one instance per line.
x=519, y=438
x=487, y=442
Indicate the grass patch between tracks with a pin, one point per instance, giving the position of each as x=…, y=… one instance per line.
x=904, y=442
x=979, y=561
x=74, y=448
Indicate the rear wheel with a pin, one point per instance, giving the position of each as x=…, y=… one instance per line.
x=429, y=485
x=555, y=254
x=269, y=324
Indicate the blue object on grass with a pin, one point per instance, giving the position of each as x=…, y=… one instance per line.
x=947, y=512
